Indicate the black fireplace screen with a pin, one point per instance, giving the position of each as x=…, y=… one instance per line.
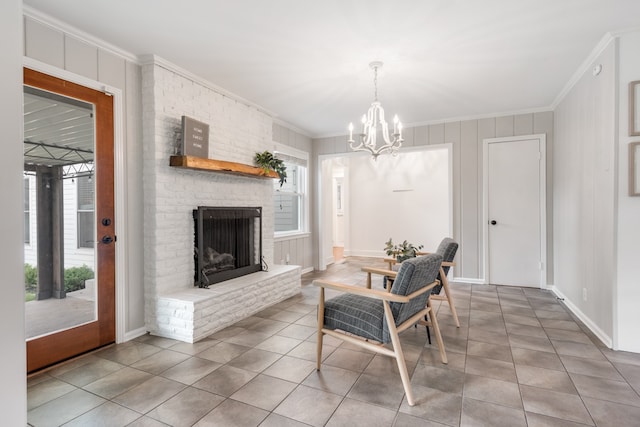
x=228, y=243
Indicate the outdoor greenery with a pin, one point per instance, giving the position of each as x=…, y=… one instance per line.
x=401, y=251
x=30, y=281
x=74, y=278
x=268, y=162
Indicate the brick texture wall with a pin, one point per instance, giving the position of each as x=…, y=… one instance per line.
x=236, y=132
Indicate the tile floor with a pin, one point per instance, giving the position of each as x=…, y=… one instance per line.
x=519, y=359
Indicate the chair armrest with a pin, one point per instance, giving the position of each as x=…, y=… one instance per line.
x=358, y=290
x=373, y=293
x=448, y=264
x=380, y=271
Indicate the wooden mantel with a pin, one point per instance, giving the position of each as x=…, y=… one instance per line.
x=211, y=165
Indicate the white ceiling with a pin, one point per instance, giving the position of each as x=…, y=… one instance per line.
x=307, y=61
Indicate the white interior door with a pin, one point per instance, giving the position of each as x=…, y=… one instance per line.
x=514, y=209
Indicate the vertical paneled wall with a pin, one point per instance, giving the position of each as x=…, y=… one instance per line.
x=584, y=194
x=299, y=248
x=466, y=137
x=57, y=48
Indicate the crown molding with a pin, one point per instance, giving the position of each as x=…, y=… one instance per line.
x=457, y=119
x=584, y=67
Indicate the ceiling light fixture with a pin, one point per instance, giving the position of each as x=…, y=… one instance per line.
x=370, y=123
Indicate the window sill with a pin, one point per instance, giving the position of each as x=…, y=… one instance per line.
x=279, y=237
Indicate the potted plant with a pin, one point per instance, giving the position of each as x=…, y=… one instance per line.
x=401, y=251
x=268, y=162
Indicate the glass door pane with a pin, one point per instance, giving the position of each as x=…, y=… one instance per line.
x=60, y=235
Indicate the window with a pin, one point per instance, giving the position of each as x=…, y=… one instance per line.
x=290, y=210
x=27, y=203
x=86, y=220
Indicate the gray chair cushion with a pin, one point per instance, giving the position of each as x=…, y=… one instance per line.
x=363, y=316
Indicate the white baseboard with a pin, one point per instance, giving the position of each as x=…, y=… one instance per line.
x=128, y=336
x=474, y=281
x=307, y=270
x=583, y=317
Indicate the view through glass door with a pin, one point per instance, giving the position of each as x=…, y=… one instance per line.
x=68, y=219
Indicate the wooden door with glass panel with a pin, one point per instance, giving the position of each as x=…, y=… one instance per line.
x=69, y=228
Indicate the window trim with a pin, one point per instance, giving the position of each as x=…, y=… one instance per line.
x=292, y=155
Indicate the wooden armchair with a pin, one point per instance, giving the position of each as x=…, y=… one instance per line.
x=447, y=249
x=370, y=318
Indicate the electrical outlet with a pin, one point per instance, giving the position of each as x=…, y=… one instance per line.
x=584, y=294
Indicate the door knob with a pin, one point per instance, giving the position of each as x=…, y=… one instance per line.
x=493, y=222
x=107, y=239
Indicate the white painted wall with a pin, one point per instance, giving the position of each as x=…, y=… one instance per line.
x=13, y=391
x=403, y=197
x=627, y=269
x=585, y=194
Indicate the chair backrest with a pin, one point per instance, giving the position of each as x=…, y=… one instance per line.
x=447, y=248
x=414, y=273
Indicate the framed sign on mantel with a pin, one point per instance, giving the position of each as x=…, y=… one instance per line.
x=195, y=138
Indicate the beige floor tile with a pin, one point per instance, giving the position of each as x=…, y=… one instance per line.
x=225, y=380
x=233, y=413
x=434, y=405
x=491, y=368
x=610, y=414
x=555, y=404
x=291, y=369
x=491, y=390
x=186, y=408
x=63, y=409
x=604, y=389
x=309, y=405
x=477, y=413
x=352, y=412
x=151, y=393
x=545, y=378
x=264, y=392
x=540, y=359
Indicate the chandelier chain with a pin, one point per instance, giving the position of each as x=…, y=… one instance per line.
x=375, y=83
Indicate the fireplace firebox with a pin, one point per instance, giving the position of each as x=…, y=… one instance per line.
x=227, y=243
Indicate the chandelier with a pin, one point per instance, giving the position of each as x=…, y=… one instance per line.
x=370, y=123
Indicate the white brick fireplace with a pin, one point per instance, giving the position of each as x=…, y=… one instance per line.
x=173, y=307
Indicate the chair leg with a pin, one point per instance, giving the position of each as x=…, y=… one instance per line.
x=452, y=307
x=399, y=355
x=320, y=326
x=426, y=319
x=436, y=330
